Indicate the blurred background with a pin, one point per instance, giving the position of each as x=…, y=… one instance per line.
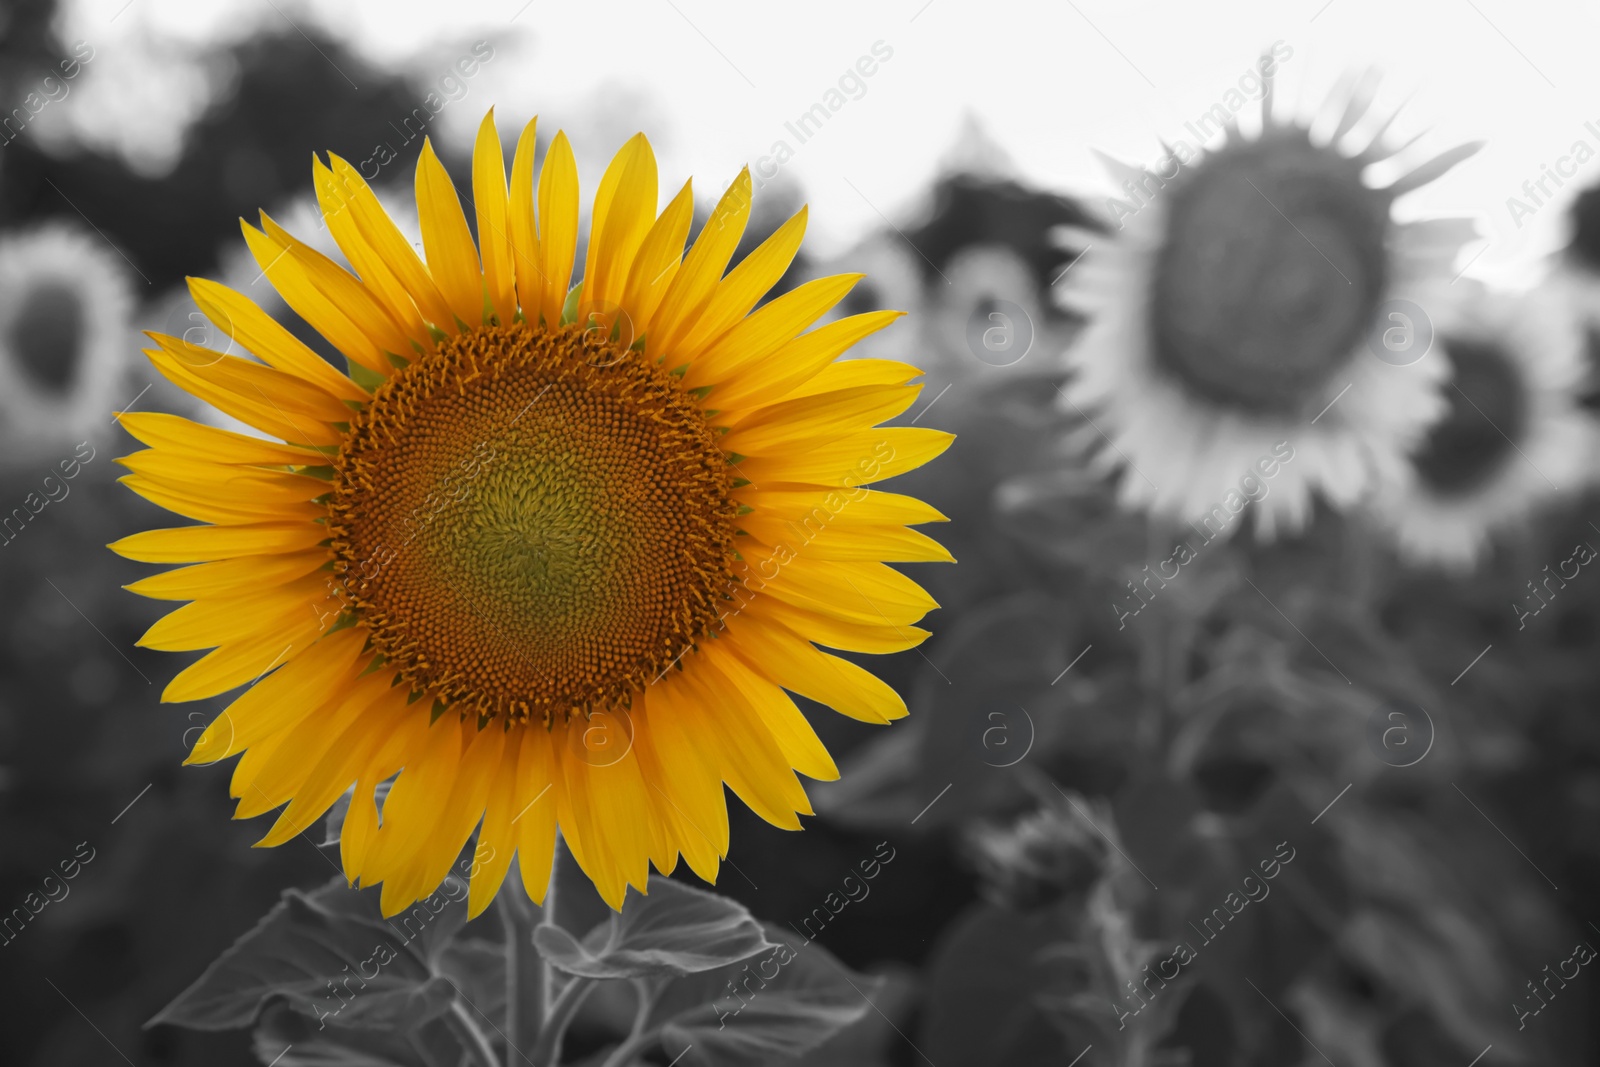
x=1414, y=754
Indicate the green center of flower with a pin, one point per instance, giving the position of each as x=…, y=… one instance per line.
x=1270, y=273
x=1469, y=447
x=531, y=523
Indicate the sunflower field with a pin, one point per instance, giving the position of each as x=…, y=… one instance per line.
x=485, y=600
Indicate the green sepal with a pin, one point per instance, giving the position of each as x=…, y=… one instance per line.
x=569, y=307
x=365, y=377
x=345, y=620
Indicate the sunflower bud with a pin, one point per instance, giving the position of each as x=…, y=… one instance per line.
x=1053, y=855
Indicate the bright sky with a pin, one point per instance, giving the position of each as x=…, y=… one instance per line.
x=714, y=81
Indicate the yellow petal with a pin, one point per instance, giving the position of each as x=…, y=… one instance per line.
x=452, y=257
x=624, y=208
x=558, y=228
x=796, y=362
x=297, y=753
x=197, y=544
x=797, y=423
x=199, y=504
x=299, y=686
x=233, y=665
x=657, y=262
x=851, y=373
x=307, y=294
x=380, y=277
x=524, y=233
x=807, y=512
x=412, y=810
x=851, y=459
x=801, y=747
x=209, y=623
x=887, y=544
x=337, y=770
x=793, y=663
x=691, y=782
x=744, y=286
x=750, y=760
x=262, y=488
x=228, y=576
x=497, y=838
x=865, y=591
x=671, y=811
x=179, y=436
x=539, y=790
x=494, y=237
x=697, y=279
x=876, y=637
x=390, y=245
x=263, y=336
x=248, y=391
x=755, y=339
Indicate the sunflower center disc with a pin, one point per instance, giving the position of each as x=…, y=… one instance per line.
x=48, y=335
x=531, y=523
x=1466, y=449
x=1270, y=272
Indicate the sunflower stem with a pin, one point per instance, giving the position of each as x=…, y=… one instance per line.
x=474, y=1042
x=639, y=1038
x=560, y=857
x=547, y=1050
x=1153, y=650
x=525, y=972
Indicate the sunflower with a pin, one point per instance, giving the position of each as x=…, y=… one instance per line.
x=1514, y=436
x=1248, y=290
x=544, y=561
x=65, y=312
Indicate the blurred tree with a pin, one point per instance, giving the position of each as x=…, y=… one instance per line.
x=293, y=96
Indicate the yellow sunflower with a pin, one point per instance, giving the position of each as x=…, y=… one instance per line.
x=544, y=560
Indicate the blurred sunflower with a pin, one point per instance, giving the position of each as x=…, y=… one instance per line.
x=1235, y=308
x=1514, y=435
x=552, y=557
x=64, y=330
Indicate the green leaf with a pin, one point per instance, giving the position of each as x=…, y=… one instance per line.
x=329, y=954
x=782, y=1004
x=984, y=985
x=288, y=1039
x=478, y=969
x=674, y=930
